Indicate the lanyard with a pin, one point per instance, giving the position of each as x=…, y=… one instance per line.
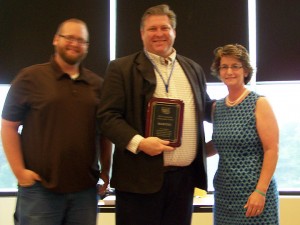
x=166, y=83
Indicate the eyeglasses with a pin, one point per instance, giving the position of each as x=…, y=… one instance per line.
x=233, y=67
x=72, y=39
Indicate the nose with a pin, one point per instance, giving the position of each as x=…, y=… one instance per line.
x=159, y=32
x=229, y=68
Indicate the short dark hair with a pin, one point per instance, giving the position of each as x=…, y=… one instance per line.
x=72, y=20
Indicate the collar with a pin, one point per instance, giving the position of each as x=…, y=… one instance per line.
x=59, y=74
x=161, y=60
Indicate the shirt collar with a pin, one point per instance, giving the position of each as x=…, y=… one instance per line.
x=59, y=74
x=161, y=60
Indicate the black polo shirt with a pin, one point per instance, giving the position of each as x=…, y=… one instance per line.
x=58, y=115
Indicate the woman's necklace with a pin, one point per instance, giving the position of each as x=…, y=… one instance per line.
x=235, y=102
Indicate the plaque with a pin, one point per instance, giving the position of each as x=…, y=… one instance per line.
x=164, y=120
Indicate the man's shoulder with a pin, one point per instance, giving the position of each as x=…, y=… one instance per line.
x=89, y=72
x=132, y=57
x=189, y=63
x=36, y=67
x=91, y=75
x=32, y=71
x=186, y=59
x=129, y=62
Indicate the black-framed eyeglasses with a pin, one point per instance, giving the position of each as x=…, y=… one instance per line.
x=233, y=67
x=72, y=39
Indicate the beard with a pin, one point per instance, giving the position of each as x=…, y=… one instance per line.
x=71, y=59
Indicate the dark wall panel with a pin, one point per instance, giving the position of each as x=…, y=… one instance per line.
x=278, y=47
x=27, y=28
x=201, y=27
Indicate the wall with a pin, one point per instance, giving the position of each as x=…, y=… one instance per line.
x=202, y=26
x=289, y=213
x=27, y=29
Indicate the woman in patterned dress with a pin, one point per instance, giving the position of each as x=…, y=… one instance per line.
x=246, y=137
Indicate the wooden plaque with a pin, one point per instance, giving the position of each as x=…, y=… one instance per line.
x=164, y=119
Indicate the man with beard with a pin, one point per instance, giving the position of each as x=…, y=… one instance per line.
x=55, y=155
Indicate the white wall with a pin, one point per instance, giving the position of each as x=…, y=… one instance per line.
x=7, y=207
x=289, y=213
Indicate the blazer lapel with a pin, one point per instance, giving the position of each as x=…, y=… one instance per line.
x=145, y=69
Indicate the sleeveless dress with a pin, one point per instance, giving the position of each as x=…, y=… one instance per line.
x=240, y=162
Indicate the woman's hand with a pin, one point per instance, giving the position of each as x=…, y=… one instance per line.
x=255, y=204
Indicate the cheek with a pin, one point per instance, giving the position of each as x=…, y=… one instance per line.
x=221, y=75
x=173, y=35
x=145, y=39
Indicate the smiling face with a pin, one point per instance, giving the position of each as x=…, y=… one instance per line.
x=158, y=36
x=71, y=42
x=232, y=72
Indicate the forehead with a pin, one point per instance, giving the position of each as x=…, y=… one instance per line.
x=72, y=28
x=229, y=60
x=157, y=20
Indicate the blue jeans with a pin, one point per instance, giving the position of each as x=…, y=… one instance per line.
x=37, y=205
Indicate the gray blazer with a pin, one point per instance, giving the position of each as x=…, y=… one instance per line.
x=128, y=86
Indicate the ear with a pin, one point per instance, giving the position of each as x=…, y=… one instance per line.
x=55, y=40
x=142, y=34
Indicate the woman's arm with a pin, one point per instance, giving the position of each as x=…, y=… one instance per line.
x=268, y=132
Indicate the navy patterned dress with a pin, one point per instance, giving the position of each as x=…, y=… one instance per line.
x=240, y=162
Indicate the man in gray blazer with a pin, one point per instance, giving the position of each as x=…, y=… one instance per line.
x=155, y=181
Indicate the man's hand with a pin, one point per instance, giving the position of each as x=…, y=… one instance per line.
x=154, y=146
x=27, y=178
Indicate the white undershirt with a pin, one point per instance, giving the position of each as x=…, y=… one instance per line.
x=74, y=76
